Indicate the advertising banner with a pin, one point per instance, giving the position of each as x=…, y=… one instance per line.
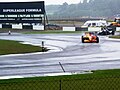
x=22, y=7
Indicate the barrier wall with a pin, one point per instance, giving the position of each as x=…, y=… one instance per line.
x=0, y=25
x=91, y=29
x=68, y=28
x=16, y=26
x=117, y=28
x=38, y=27
x=94, y=29
x=6, y=26
x=41, y=27
x=81, y=29
x=20, y=26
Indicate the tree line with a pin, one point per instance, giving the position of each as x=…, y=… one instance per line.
x=93, y=8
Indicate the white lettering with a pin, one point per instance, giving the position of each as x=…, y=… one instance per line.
x=33, y=10
x=22, y=10
x=13, y=10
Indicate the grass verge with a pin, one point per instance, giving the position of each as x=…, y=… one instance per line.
x=116, y=37
x=51, y=32
x=15, y=47
x=99, y=80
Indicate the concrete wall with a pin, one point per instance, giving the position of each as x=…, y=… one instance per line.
x=68, y=28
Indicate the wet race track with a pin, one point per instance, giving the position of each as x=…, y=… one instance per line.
x=66, y=49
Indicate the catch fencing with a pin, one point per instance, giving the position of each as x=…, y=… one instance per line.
x=59, y=83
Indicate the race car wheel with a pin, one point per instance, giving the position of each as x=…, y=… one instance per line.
x=97, y=40
x=82, y=39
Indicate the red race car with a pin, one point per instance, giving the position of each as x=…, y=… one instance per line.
x=90, y=37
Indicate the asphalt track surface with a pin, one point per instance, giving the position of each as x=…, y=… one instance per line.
x=66, y=49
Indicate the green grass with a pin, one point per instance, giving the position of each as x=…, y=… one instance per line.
x=99, y=80
x=116, y=37
x=51, y=32
x=14, y=47
x=64, y=22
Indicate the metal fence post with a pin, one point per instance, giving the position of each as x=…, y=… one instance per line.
x=60, y=84
x=42, y=46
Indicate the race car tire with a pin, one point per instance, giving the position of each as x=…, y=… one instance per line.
x=97, y=40
x=113, y=33
x=82, y=39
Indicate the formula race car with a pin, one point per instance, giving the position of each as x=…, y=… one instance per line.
x=107, y=31
x=90, y=37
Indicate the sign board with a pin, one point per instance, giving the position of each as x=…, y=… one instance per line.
x=20, y=19
x=22, y=7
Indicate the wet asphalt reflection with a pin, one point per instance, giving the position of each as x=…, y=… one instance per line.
x=66, y=49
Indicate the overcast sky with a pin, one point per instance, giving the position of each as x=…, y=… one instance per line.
x=47, y=2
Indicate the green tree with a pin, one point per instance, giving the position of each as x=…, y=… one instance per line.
x=91, y=8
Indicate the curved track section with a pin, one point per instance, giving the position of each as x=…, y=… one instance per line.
x=71, y=53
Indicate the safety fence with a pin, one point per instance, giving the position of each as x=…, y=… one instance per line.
x=67, y=83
